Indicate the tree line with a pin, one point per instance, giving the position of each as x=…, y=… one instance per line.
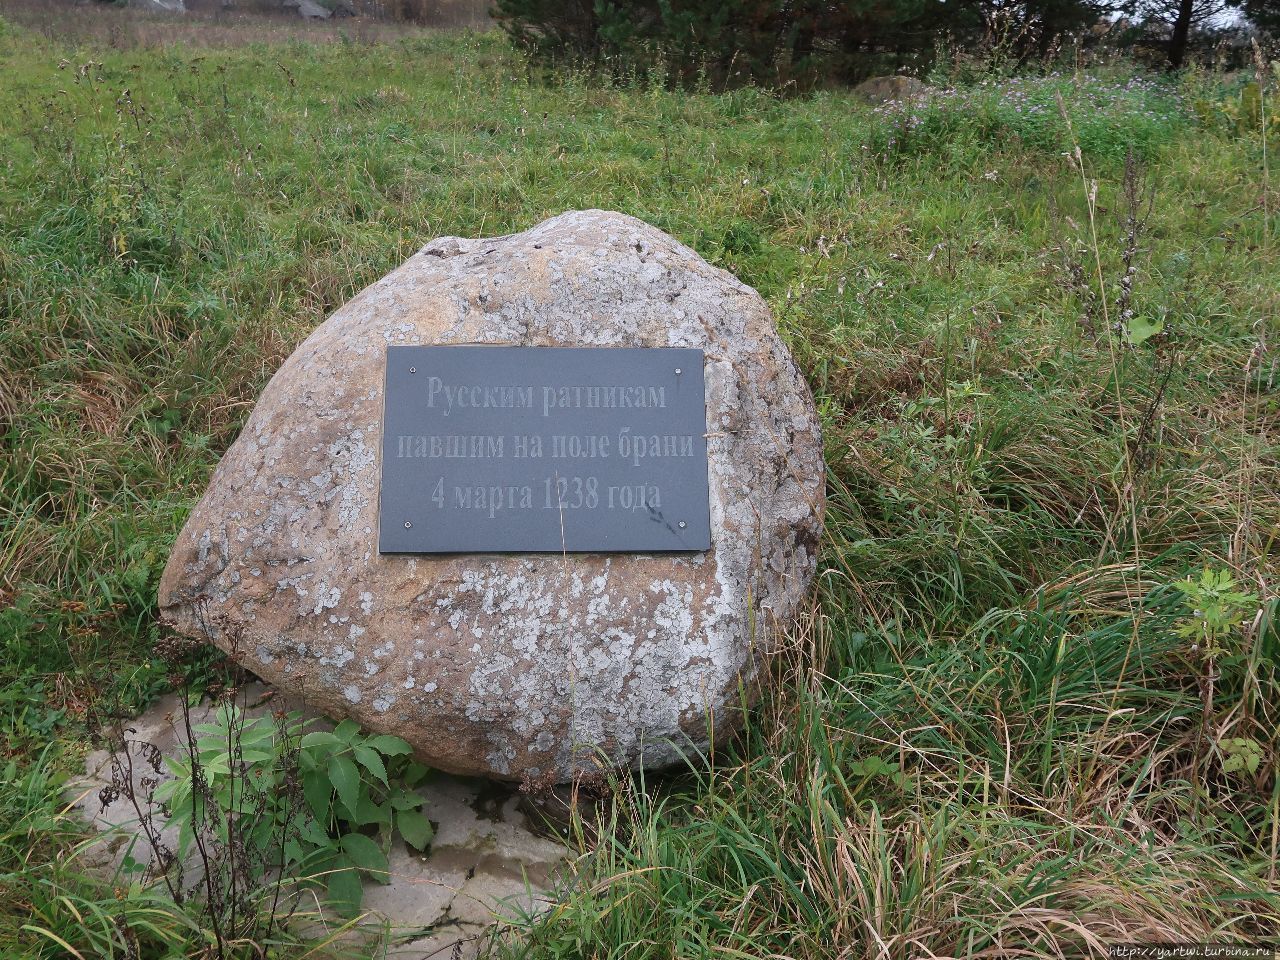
x=809, y=41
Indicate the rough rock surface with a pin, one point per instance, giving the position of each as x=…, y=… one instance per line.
x=542, y=666
x=310, y=10
x=160, y=6
x=886, y=89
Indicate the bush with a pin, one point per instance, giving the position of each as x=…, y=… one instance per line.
x=297, y=802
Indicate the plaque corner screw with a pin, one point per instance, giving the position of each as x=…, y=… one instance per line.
x=683, y=524
x=413, y=369
x=407, y=524
x=678, y=371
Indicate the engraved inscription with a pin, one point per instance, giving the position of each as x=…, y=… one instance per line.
x=450, y=396
x=508, y=449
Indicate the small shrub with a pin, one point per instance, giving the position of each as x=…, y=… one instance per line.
x=321, y=804
x=1247, y=111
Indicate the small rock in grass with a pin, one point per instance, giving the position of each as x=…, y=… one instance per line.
x=886, y=89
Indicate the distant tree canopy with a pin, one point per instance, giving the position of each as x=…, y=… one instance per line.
x=760, y=39
x=803, y=41
x=773, y=39
x=1265, y=14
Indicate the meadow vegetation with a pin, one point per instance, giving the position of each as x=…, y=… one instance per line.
x=1034, y=707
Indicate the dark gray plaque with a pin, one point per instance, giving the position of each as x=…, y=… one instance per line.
x=543, y=449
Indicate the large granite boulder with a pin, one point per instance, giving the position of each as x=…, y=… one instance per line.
x=511, y=665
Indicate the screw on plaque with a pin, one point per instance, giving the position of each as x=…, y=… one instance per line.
x=678, y=371
x=413, y=369
x=683, y=524
x=407, y=524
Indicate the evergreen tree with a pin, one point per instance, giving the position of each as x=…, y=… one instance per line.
x=1263, y=14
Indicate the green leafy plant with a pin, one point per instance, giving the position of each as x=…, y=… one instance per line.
x=1138, y=329
x=321, y=804
x=1217, y=610
x=1246, y=111
x=879, y=769
x=1240, y=754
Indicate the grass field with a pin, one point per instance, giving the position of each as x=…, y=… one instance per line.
x=1039, y=316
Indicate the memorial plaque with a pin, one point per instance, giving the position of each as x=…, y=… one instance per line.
x=543, y=449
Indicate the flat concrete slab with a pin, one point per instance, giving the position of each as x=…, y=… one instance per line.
x=486, y=864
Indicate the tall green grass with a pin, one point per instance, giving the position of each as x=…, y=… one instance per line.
x=988, y=738
x=1020, y=790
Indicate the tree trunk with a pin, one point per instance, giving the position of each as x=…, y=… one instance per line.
x=1181, y=29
